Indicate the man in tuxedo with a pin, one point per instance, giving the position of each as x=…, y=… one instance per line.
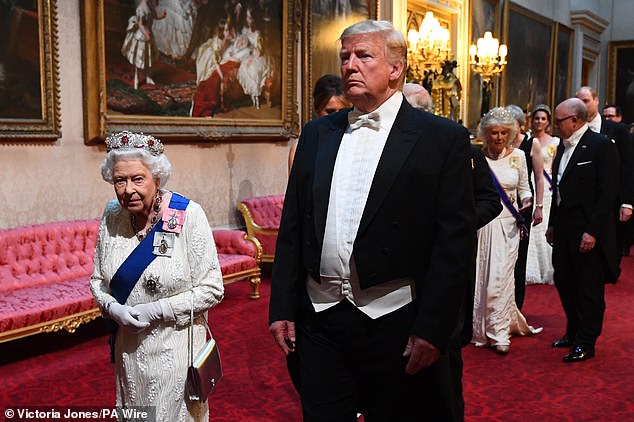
x=581, y=226
x=617, y=133
x=371, y=261
x=487, y=207
x=612, y=112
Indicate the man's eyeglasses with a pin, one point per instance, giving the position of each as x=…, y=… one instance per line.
x=563, y=119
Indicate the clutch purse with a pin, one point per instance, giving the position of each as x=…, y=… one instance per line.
x=205, y=370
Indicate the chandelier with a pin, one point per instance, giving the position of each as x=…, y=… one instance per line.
x=427, y=48
x=487, y=57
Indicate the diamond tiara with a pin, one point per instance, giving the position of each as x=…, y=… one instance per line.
x=130, y=140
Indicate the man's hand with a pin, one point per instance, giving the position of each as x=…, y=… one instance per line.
x=549, y=236
x=625, y=214
x=421, y=354
x=284, y=334
x=587, y=243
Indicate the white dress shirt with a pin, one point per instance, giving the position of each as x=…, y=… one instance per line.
x=356, y=163
x=595, y=124
x=570, y=145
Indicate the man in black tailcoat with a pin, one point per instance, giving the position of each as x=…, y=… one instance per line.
x=373, y=253
x=617, y=133
x=581, y=226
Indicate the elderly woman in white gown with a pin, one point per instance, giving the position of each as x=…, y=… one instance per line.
x=495, y=315
x=155, y=260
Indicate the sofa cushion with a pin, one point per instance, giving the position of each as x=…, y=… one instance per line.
x=33, y=305
x=266, y=210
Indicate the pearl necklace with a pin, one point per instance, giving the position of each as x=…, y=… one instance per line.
x=156, y=208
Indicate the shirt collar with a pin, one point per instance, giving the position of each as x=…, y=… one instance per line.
x=576, y=135
x=388, y=110
x=595, y=124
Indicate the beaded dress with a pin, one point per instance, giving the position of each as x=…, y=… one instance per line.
x=151, y=366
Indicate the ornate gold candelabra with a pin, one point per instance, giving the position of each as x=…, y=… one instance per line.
x=487, y=58
x=427, y=48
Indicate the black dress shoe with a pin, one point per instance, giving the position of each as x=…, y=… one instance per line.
x=578, y=354
x=562, y=342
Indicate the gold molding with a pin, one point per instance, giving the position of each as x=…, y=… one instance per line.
x=47, y=127
x=68, y=323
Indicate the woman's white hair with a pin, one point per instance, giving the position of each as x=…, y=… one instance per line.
x=498, y=116
x=159, y=165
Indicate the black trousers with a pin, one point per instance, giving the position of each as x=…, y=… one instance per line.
x=579, y=279
x=347, y=362
x=623, y=239
x=520, y=264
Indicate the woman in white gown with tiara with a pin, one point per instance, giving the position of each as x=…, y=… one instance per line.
x=539, y=266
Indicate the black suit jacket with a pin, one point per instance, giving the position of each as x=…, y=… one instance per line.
x=589, y=189
x=418, y=221
x=617, y=132
x=487, y=199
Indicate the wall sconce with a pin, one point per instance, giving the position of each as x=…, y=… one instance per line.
x=427, y=48
x=487, y=58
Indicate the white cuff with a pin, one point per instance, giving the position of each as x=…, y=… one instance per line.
x=166, y=309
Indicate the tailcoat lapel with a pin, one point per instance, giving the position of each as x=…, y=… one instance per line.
x=329, y=139
x=578, y=152
x=399, y=144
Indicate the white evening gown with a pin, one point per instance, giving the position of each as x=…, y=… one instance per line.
x=539, y=264
x=173, y=32
x=495, y=314
x=151, y=367
x=255, y=68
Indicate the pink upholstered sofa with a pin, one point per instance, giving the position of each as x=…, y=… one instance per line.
x=240, y=256
x=44, y=275
x=45, y=271
x=262, y=216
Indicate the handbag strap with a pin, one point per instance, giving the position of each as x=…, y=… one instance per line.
x=191, y=332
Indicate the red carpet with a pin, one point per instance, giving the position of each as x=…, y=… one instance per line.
x=529, y=384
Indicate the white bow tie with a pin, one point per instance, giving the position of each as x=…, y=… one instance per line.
x=356, y=120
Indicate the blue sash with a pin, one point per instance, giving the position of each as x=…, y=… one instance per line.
x=549, y=180
x=521, y=222
x=130, y=271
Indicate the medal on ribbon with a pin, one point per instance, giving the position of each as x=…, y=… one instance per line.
x=163, y=244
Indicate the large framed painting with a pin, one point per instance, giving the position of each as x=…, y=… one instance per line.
x=324, y=20
x=527, y=76
x=621, y=77
x=29, y=71
x=191, y=70
x=563, y=60
x=485, y=16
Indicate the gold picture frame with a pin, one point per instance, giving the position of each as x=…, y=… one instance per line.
x=484, y=16
x=29, y=72
x=527, y=78
x=110, y=100
x=562, y=66
x=621, y=77
x=320, y=45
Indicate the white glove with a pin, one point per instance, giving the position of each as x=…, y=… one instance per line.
x=126, y=316
x=148, y=312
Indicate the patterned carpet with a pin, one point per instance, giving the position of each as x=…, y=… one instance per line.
x=529, y=384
